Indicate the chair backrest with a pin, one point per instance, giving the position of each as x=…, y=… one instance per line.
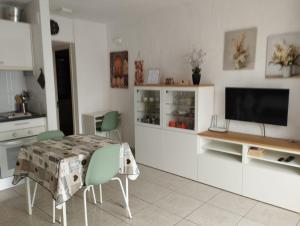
x=104, y=165
x=51, y=134
x=110, y=121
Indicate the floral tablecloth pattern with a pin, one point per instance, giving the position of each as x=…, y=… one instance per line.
x=60, y=165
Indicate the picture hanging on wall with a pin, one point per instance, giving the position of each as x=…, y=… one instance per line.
x=283, y=56
x=240, y=49
x=119, y=69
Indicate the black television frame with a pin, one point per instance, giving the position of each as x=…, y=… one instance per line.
x=284, y=122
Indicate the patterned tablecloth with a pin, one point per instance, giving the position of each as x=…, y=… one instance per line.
x=60, y=165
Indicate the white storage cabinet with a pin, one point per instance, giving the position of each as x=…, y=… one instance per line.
x=15, y=46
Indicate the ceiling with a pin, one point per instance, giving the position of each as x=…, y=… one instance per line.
x=106, y=11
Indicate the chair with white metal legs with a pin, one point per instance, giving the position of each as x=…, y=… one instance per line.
x=103, y=167
x=55, y=135
x=110, y=124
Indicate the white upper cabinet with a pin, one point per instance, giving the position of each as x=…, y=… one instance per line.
x=15, y=46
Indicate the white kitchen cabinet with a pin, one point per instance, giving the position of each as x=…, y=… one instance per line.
x=167, y=120
x=15, y=46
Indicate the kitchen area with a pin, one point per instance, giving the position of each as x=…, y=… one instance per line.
x=22, y=88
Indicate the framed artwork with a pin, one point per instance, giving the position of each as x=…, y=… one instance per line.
x=119, y=69
x=153, y=76
x=240, y=49
x=283, y=56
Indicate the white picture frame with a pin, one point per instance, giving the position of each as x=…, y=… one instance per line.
x=153, y=76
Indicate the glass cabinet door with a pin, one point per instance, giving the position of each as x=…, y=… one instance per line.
x=180, y=109
x=148, y=107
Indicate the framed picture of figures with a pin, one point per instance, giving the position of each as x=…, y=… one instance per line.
x=119, y=69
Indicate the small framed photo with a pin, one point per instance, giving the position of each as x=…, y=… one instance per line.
x=153, y=76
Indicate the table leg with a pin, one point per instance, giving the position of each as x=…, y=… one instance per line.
x=64, y=214
x=28, y=196
x=126, y=188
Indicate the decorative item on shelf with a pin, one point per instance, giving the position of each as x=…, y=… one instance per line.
x=240, y=48
x=169, y=81
x=119, y=69
x=286, y=56
x=256, y=152
x=184, y=82
x=195, y=59
x=214, y=125
x=153, y=76
x=283, y=56
x=139, y=70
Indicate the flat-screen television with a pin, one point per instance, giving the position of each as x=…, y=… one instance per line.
x=267, y=106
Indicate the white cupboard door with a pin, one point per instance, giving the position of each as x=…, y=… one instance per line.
x=15, y=46
x=179, y=154
x=148, y=146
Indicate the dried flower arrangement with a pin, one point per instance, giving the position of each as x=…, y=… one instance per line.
x=195, y=59
x=285, y=54
x=241, y=52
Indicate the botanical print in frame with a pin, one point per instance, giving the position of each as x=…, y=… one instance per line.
x=283, y=56
x=119, y=69
x=240, y=49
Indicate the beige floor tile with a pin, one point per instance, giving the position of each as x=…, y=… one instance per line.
x=115, y=206
x=161, y=178
x=272, y=216
x=179, y=204
x=7, y=195
x=246, y=222
x=148, y=192
x=199, y=191
x=154, y=216
x=185, y=222
x=233, y=203
x=209, y=215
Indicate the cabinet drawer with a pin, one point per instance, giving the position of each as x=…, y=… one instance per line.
x=14, y=134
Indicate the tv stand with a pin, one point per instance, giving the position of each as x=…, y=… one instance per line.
x=224, y=161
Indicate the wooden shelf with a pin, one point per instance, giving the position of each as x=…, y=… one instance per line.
x=275, y=144
x=229, y=148
x=271, y=156
x=175, y=85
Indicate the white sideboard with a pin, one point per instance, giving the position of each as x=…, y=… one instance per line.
x=167, y=120
x=224, y=161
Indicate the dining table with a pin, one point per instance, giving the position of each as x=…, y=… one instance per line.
x=60, y=166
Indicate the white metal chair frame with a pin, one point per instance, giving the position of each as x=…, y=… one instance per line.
x=125, y=196
x=53, y=202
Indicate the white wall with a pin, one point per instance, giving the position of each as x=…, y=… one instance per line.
x=37, y=13
x=91, y=62
x=165, y=38
x=91, y=67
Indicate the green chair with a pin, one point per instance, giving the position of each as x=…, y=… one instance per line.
x=110, y=124
x=103, y=167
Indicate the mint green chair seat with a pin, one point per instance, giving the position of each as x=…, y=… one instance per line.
x=103, y=167
x=51, y=135
x=110, y=123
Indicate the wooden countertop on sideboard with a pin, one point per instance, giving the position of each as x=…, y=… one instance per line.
x=175, y=85
x=283, y=145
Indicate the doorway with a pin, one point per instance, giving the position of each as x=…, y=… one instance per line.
x=64, y=90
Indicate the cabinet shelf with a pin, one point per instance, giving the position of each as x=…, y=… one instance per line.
x=271, y=156
x=228, y=148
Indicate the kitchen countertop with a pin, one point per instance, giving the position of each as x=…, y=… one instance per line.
x=5, y=119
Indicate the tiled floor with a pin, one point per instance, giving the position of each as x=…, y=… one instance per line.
x=156, y=198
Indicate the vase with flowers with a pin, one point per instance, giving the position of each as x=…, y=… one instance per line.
x=286, y=56
x=195, y=59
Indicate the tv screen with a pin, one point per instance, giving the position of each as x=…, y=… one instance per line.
x=267, y=106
